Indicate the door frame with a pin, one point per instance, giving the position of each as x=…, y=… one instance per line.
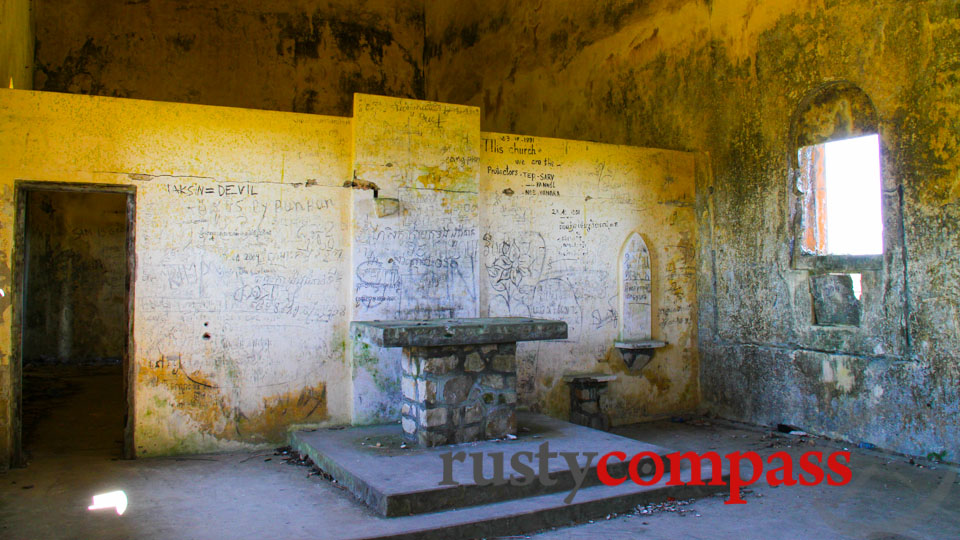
x=21, y=189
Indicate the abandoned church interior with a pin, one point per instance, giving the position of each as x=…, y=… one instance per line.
x=425, y=269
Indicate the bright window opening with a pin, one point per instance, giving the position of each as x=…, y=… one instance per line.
x=841, y=184
x=857, y=283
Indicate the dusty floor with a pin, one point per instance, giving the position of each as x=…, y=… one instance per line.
x=75, y=445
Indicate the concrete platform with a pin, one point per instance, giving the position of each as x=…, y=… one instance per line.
x=395, y=481
x=522, y=516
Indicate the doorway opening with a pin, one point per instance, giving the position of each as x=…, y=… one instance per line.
x=72, y=320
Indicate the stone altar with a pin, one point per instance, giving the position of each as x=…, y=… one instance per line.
x=459, y=377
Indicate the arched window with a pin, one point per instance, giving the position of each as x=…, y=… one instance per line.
x=838, y=222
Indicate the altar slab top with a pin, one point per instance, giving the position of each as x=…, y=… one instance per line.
x=443, y=332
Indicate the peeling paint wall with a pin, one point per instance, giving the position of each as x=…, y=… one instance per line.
x=75, y=283
x=725, y=77
x=292, y=55
x=240, y=288
x=16, y=44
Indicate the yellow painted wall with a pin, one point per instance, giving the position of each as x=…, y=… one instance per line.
x=420, y=263
x=241, y=252
x=16, y=44
x=459, y=246
x=257, y=242
x=554, y=215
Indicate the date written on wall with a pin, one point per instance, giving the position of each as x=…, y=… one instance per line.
x=220, y=190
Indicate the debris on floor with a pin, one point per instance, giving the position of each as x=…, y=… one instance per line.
x=681, y=508
x=292, y=457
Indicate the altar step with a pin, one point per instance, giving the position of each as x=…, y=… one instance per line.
x=403, y=482
x=395, y=481
x=523, y=516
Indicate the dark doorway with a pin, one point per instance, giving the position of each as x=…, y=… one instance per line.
x=74, y=260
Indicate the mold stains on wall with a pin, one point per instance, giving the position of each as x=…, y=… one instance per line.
x=240, y=266
x=725, y=77
x=291, y=56
x=80, y=72
x=838, y=110
x=213, y=413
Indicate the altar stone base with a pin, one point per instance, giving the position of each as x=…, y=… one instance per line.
x=459, y=393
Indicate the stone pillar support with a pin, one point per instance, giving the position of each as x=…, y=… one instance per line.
x=459, y=376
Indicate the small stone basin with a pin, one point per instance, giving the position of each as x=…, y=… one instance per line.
x=638, y=353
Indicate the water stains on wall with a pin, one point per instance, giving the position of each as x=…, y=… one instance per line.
x=725, y=77
x=240, y=250
x=211, y=413
x=291, y=56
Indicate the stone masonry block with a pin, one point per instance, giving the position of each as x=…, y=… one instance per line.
x=500, y=422
x=432, y=438
x=834, y=302
x=487, y=350
x=473, y=414
x=491, y=380
x=439, y=365
x=506, y=363
x=433, y=417
x=474, y=362
x=456, y=389
x=468, y=434
x=409, y=426
x=408, y=364
x=409, y=387
x=427, y=391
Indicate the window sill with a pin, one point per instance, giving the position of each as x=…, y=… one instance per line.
x=837, y=263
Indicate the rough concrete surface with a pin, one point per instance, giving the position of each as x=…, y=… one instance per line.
x=258, y=495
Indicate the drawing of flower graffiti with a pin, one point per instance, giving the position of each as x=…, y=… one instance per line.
x=515, y=268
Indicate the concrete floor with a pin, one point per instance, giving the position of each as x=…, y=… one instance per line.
x=75, y=446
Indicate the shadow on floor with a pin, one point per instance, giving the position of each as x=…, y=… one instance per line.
x=72, y=410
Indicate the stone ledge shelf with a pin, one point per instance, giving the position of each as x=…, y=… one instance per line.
x=440, y=332
x=459, y=376
x=638, y=353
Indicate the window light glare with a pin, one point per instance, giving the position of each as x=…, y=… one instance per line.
x=852, y=169
x=857, y=285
